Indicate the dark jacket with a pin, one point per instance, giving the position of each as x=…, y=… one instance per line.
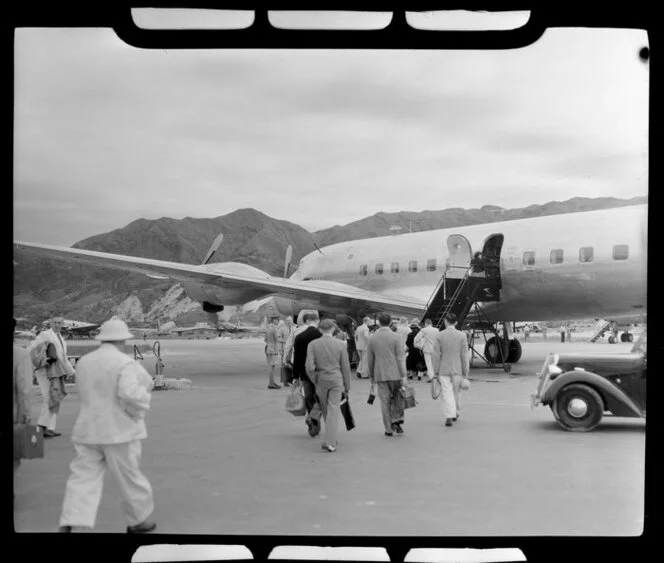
x=300, y=351
x=415, y=358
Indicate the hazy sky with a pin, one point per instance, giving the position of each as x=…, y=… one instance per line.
x=105, y=133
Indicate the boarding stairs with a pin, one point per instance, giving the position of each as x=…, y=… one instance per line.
x=600, y=328
x=458, y=294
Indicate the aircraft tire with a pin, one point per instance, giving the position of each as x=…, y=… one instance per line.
x=630, y=337
x=612, y=340
x=492, y=352
x=514, y=351
x=623, y=337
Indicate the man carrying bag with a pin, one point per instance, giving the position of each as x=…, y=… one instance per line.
x=385, y=364
x=328, y=368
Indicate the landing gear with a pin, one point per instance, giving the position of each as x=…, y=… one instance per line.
x=514, y=351
x=626, y=337
x=492, y=350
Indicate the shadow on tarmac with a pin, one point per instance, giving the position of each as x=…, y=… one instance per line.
x=607, y=426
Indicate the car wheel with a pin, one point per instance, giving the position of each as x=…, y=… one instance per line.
x=578, y=408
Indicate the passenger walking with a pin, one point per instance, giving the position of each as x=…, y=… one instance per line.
x=386, y=368
x=47, y=417
x=526, y=333
x=114, y=392
x=562, y=333
x=300, y=346
x=425, y=341
x=414, y=359
x=361, y=341
x=22, y=387
x=272, y=351
x=451, y=360
x=328, y=368
x=284, y=337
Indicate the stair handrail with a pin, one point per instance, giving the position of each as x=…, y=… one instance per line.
x=455, y=295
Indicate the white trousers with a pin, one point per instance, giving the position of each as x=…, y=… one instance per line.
x=85, y=483
x=362, y=365
x=449, y=396
x=46, y=417
x=428, y=360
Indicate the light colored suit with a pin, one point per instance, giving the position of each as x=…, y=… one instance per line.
x=386, y=366
x=46, y=417
x=328, y=368
x=428, y=335
x=362, y=335
x=114, y=391
x=451, y=362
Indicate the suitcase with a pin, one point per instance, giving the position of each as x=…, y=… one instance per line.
x=347, y=414
x=28, y=442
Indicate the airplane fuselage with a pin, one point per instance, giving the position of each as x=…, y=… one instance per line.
x=575, y=265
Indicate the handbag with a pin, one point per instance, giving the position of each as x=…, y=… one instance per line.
x=28, y=442
x=372, y=394
x=436, y=387
x=465, y=384
x=295, y=401
x=346, y=412
x=408, y=394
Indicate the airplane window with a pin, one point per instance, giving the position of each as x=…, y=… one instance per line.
x=586, y=254
x=431, y=265
x=528, y=258
x=557, y=256
x=363, y=270
x=379, y=269
x=412, y=266
x=395, y=268
x=621, y=252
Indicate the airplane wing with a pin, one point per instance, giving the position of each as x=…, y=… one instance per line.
x=235, y=276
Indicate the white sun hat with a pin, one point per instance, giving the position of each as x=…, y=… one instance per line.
x=114, y=330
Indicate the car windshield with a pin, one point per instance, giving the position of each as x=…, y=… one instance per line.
x=640, y=344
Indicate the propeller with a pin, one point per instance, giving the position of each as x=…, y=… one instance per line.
x=287, y=262
x=215, y=246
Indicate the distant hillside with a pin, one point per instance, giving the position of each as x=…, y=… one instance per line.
x=378, y=225
x=43, y=287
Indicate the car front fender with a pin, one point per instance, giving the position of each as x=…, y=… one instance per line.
x=592, y=379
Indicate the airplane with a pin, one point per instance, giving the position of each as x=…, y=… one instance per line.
x=557, y=267
x=72, y=329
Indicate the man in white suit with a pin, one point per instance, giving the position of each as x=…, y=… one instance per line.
x=450, y=357
x=47, y=419
x=115, y=391
x=425, y=341
x=361, y=342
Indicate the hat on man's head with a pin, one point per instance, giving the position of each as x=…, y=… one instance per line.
x=114, y=330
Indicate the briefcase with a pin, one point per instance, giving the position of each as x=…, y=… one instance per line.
x=28, y=442
x=286, y=373
x=346, y=413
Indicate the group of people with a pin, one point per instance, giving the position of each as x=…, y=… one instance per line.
x=321, y=367
x=114, y=394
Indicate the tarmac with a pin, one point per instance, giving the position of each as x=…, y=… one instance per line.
x=226, y=458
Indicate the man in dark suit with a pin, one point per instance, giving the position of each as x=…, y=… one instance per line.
x=386, y=366
x=300, y=345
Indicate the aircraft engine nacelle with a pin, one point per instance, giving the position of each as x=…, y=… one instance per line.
x=291, y=307
x=211, y=298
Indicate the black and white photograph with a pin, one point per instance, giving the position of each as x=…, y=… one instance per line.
x=330, y=292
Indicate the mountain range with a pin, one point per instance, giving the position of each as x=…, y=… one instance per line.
x=43, y=287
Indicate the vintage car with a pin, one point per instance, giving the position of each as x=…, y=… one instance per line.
x=580, y=388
